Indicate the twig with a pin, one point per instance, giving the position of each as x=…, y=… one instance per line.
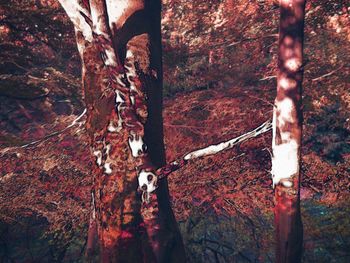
x=268, y=78
x=45, y=138
x=36, y=78
x=230, y=203
x=183, y=126
x=17, y=65
x=327, y=74
x=233, y=43
x=268, y=150
x=230, y=43
x=59, y=74
x=236, y=157
x=257, y=98
x=56, y=132
x=315, y=188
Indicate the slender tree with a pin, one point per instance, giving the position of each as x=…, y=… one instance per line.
x=120, y=46
x=287, y=132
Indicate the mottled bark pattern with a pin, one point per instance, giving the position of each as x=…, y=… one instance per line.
x=122, y=87
x=287, y=131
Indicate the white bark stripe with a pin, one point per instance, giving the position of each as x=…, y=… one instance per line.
x=285, y=162
x=131, y=70
x=285, y=159
x=136, y=145
x=98, y=19
x=116, y=10
x=147, y=183
x=74, y=10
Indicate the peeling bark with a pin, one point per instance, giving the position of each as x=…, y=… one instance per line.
x=287, y=131
x=122, y=82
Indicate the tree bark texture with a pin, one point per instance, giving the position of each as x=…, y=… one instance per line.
x=287, y=132
x=120, y=45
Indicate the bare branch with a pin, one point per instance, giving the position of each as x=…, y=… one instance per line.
x=230, y=43
x=74, y=122
x=251, y=39
x=327, y=74
x=257, y=98
x=212, y=149
x=268, y=78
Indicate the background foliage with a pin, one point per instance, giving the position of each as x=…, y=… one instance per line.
x=219, y=67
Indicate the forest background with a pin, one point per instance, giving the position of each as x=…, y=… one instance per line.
x=219, y=82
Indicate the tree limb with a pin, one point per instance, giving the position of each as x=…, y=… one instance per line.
x=45, y=138
x=212, y=149
x=327, y=74
x=268, y=78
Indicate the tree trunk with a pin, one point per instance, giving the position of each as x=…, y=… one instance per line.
x=120, y=45
x=287, y=132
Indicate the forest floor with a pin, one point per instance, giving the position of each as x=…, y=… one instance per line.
x=223, y=203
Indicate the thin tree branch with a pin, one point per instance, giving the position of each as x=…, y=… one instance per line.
x=183, y=126
x=75, y=122
x=268, y=78
x=327, y=74
x=251, y=39
x=229, y=43
x=212, y=149
x=257, y=98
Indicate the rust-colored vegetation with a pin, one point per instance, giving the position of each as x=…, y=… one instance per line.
x=220, y=61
